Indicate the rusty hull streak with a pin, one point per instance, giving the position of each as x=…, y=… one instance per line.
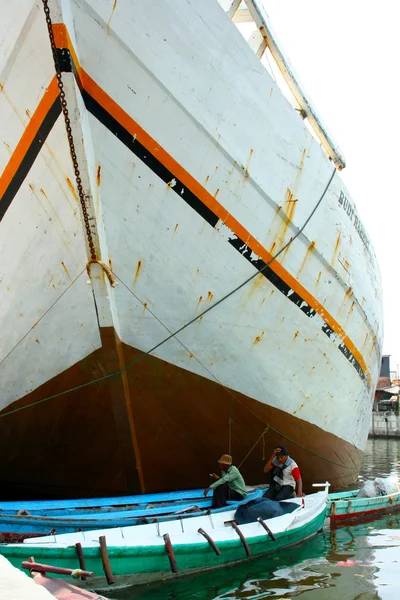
x=176, y=227
x=258, y=338
x=306, y=256
x=139, y=266
x=98, y=176
x=295, y=335
x=199, y=302
x=209, y=296
x=246, y=168
x=66, y=270
x=71, y=187
x=111, y=16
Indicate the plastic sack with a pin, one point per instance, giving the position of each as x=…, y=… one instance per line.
x=387, y=485
x=368, y=490
x=264, y=508
x=381, y=486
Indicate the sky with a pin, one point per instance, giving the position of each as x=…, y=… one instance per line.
x=347, y=54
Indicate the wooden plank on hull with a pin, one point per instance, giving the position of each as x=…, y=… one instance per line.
x=256, y=13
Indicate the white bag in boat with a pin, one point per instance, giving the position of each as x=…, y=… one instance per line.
x=368, y=490
x=387, y=485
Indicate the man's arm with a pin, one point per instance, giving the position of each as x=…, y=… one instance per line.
x=226, y=477
x=299, y=482
x=270, y=465
x=299, y=488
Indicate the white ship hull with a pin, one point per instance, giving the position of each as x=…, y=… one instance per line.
x=196, y=171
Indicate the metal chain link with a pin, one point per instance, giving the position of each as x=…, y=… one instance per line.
x=68, y=128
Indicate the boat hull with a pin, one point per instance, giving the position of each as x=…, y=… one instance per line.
x=152, y=564
x=167, y=440
x=347, y=507
x=247, y=312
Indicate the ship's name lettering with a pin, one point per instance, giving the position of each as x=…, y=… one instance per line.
x=350, y=210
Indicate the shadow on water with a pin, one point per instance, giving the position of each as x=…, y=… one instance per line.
x=352, y=562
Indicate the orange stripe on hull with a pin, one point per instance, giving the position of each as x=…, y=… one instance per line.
x=63, y=40
x=28, y=136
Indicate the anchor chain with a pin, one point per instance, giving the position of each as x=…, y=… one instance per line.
x=68, y=128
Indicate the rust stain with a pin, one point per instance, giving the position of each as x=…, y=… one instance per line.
x=144, y=306
x=37, y=341
x=66, y=270
x=271, y=251
x=139, y=266
x=198, y=302
x=319, y=277
x=207, y=178
x=209, y=296
x=337, y=243
x=44, y=193
x=258, y=339
x=307, y=254
x=110, y=263
x=290, y=204
x=71, y=187
x=98, y=176
x=27, y=112
x=246, y=169
x=176, y=227
x=303, y=156
x=111, y=16
x=216, y=193
x=295, y=335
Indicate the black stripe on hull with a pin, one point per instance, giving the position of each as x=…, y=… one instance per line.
x=151, y=161
x=182, y=191
x=30, y=156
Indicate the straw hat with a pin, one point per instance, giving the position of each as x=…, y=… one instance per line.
x=225, y=459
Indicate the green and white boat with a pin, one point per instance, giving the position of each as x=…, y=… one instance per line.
x=345, y=506
x=135, y=555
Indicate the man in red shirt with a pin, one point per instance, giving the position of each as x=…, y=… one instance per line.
x=286, y=478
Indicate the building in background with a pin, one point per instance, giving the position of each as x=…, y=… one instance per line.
x=385, y=420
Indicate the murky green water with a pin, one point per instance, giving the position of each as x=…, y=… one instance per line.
x=370, y=551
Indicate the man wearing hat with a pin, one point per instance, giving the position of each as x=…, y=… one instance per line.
x=230, y=486
x=286, y=479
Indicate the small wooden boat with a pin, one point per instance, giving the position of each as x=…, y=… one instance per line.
x=56, y=507
x=17, y=527
x=18, y=586
x=59, y=589
x=346, y=506
x=136, y=555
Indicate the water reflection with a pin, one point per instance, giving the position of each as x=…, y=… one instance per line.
x=358, y=562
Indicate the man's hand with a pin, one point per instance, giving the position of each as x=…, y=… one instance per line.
x=214, y=475
x=275, y=452
x=206, y=491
